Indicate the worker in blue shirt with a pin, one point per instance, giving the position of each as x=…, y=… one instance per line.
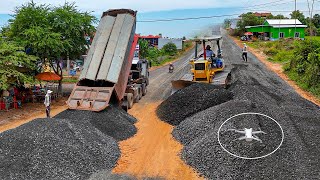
x=209, y=52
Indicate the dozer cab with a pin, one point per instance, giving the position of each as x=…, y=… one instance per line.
x=204, y=68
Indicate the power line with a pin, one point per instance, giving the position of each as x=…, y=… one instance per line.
x=189, y=18
x=270, y=4
x=204, y=17
x=227, y=15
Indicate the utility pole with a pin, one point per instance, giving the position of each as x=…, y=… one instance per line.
x=295, y=19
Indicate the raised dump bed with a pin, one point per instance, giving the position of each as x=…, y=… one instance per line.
x=107, y=66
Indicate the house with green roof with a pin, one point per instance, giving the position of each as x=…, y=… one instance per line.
x=273, y=29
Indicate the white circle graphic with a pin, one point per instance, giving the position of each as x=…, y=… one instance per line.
x=251, y=158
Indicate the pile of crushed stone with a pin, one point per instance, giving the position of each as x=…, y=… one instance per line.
x=72, y=145
x=190, y=100
x=113, y=121
x=255, y=89
x=55, y=149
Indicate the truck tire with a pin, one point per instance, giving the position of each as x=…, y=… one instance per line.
x=144, y=89
x=138, y=96
x=140, y=93
x=130, y=100
x=124, y=105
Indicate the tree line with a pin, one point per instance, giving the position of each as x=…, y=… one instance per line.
x=249, y=19
x=41, y=33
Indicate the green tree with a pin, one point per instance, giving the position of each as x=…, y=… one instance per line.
x=73, y=25
x=248, y=19
x=279, y=16
x=316, y=20
x=298, y=15
x=143, y=48
x=51, y=33
x=15, y=65
x=170, y=49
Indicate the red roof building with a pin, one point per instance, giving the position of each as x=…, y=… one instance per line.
x=153, y=40
x=263, y=14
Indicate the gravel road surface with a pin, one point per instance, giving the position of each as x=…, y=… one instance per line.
x=255, y=89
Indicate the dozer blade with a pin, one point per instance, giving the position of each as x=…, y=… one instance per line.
x=180, y=84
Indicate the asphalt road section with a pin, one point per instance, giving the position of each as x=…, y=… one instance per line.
x=254, y=89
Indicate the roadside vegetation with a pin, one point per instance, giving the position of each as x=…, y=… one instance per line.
x=47, y=33
x=249, y=19
x=168, y=53
x=15, y=65
x=300, y=60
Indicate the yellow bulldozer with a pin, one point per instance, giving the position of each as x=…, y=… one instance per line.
x=205, y=67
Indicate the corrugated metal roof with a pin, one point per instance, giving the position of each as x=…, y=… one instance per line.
x=273, y=22
x=282, y=26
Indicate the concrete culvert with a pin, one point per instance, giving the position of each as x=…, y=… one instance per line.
x=55, y=149
x=190, y=100
x=113, y=121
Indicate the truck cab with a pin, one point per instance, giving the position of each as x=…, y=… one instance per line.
x=138, y=79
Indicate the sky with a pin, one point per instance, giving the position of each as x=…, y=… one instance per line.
x=167, y=9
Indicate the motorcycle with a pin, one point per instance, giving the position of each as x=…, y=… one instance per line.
x=171, y=69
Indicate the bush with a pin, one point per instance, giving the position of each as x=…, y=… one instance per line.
x=187, y=44
x=170, y=49
x=283, y=56
x=305, y=66
x=271, y=51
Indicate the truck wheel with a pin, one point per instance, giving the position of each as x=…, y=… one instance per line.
x=130, y=100
x=138, y=96
x=124, y=105
x=144, y=89
x=140, y=93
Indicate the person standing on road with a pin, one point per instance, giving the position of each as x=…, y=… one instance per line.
x=245, y=52
x=47, y=102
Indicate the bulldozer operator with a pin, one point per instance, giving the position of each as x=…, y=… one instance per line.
x=210, y=54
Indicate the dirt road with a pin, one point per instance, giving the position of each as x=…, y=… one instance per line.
x=153, y=152
x=16, y=117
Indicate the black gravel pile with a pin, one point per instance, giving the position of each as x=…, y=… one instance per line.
x=297, y=158
x=255, y=89
x=55, y=149
x=190, y=100
x=113, y=121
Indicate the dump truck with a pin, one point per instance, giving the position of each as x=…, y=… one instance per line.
x=107, y=73
x=205, y=69
x=138, y=79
